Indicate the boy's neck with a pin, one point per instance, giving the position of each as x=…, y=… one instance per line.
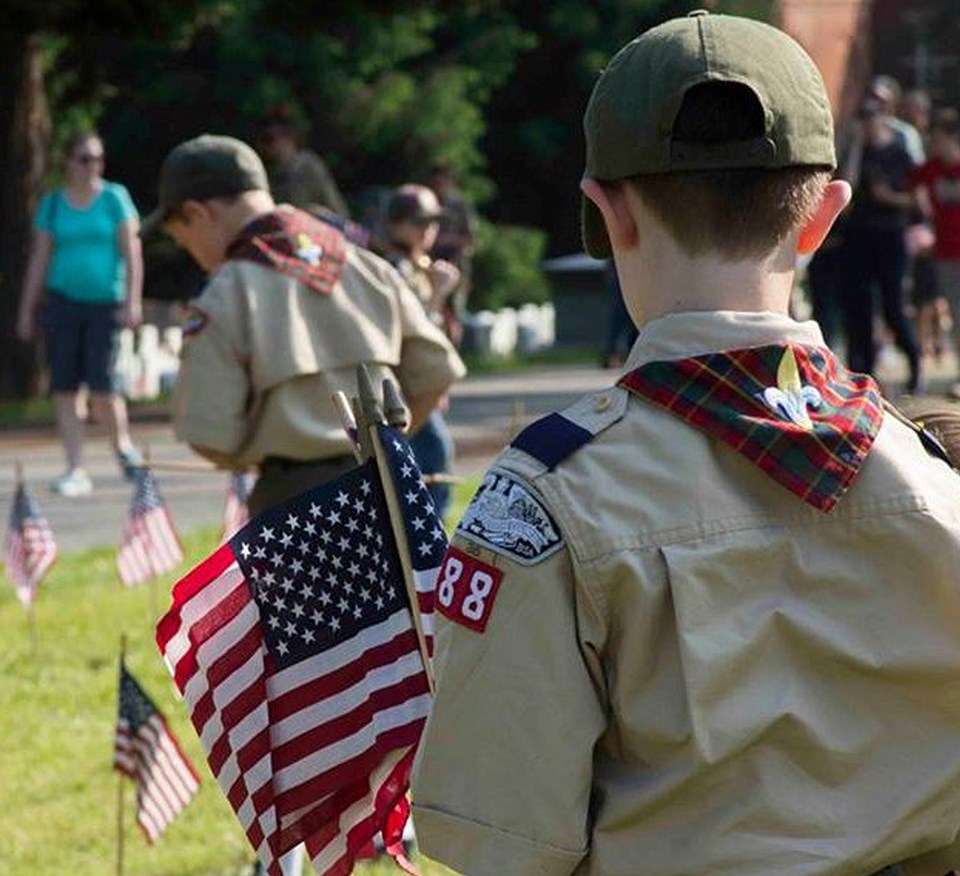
x=658, y=278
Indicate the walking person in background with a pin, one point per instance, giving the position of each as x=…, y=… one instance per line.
x=886, y=91
x=413, y=215
x=875, y=245
x=86, y=266
x=915, y=110
x=298, y=176
x=939, y=177
x=457, y=232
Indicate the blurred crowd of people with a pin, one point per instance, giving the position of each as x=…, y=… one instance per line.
x=84, y=283
x=890, y=271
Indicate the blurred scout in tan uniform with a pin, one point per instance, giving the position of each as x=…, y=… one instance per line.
x=289, y=311
x=708, y=621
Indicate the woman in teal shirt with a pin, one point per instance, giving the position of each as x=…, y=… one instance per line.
x=87, y=261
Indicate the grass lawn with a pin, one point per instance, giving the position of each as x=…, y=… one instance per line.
x=58, y=792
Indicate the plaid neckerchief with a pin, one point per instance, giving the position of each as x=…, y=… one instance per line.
x=296, y=244
x=792, y=410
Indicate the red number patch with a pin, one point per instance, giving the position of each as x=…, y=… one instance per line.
x=466, y=589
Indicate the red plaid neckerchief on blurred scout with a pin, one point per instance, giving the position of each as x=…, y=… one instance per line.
x=793, y=411
x=296, y=244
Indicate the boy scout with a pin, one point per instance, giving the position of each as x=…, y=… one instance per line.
x=705, y=622
x=289, y=311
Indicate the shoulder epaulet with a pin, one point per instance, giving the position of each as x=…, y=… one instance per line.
x=555, y=437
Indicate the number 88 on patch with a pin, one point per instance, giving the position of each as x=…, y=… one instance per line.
x=466, y=588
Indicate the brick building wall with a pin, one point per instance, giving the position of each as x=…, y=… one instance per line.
x=837, y=35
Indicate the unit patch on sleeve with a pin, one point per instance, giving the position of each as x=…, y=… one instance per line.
x=505, y=516
x=466, y=588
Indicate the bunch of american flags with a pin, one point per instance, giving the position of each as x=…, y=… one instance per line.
x=301, y=648
x=296, y=648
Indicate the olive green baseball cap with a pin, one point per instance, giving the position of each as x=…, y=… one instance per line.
x=205, y=167
x=630, y=118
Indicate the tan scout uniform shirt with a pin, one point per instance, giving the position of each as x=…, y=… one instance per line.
x=705, y=675
x=256, y=379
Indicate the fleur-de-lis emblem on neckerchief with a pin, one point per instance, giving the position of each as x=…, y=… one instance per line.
x=789, y=398
x=308, y=250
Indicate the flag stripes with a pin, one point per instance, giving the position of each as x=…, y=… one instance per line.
x=322, y=708
x=235, y=510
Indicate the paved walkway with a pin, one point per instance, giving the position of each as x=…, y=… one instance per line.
x=485, y=412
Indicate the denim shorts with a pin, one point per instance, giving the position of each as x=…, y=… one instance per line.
x=83, y=340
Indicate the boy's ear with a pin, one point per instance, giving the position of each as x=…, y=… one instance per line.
x=833, y=202
x=612, y=202
x=191, y=209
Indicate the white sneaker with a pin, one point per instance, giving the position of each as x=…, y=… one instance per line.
x=75, y=482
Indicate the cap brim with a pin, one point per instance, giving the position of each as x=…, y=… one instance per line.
x=593, y=231
x=151, y=224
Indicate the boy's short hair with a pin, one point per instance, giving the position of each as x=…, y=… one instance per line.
x=739, y=212
x=721, y=123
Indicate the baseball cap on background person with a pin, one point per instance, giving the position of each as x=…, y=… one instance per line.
x=630, y=117
x=208, y=166
x=414, y=203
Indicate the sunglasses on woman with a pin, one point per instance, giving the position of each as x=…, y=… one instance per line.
x=88, y=158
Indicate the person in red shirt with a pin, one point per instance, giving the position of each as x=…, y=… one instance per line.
x=939, y=177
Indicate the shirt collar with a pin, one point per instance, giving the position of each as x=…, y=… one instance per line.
x=696, y=333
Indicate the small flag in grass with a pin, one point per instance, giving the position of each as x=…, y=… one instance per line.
x=147, y=752
x=30, y=546
x=235, y=510
x=149, y=546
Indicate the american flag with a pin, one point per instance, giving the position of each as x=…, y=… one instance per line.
x=295, y=650
x=235, y=511
x=149, y=546
x=30, y=547
x=149, y=753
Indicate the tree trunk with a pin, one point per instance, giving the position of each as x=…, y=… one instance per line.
x=24, y=155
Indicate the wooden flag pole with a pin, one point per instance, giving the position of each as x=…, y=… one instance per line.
x=32, y=625
x=348, y=421
x=372, y=416
x=120, y=778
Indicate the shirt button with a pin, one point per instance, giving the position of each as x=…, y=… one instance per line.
x=602, y=403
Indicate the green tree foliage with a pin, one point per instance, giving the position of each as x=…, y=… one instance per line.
x=506, y=270
x=386, y=93
x=534, y=140
x=494, y=88
x=26, y=27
